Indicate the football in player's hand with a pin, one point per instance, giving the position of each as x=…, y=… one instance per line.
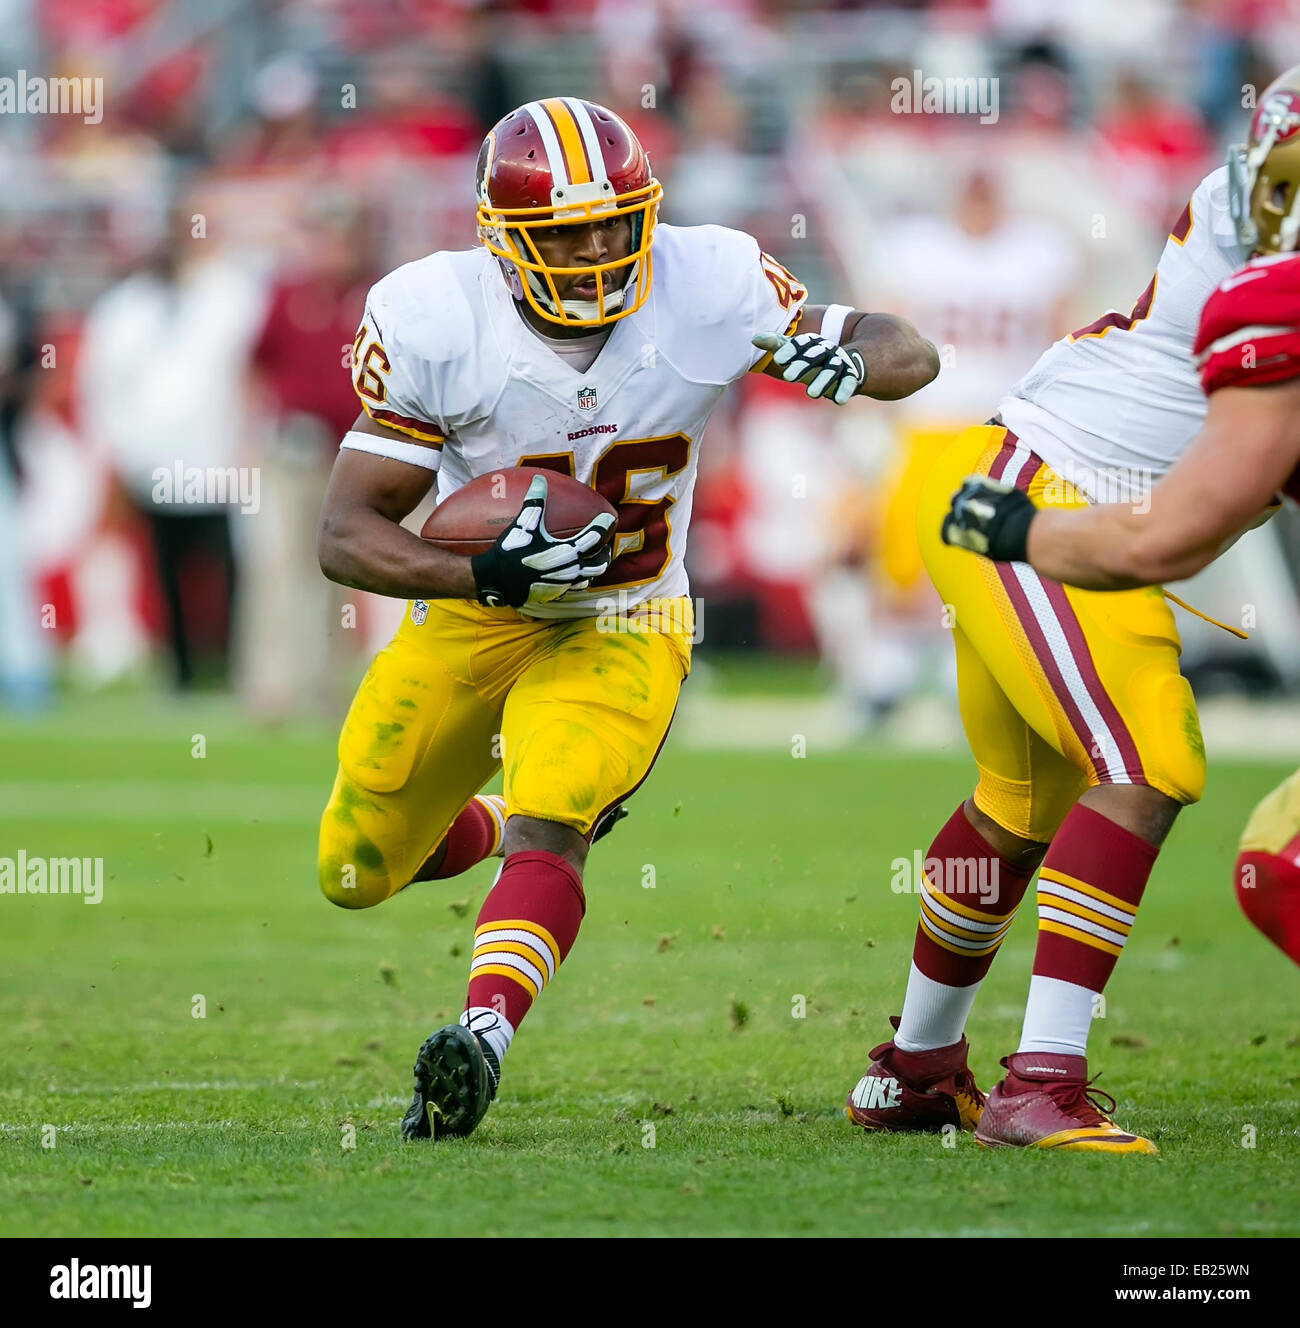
x=469, y=520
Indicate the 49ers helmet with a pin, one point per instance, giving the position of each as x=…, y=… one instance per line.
x=564, y=161
x=1264, y=172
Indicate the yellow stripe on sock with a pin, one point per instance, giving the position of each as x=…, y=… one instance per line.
x=964, y=909
x=505, y=971
x=522, y=924
x=1083, y=937
x=989, y=941
x=516, y=948
x=958, y=950
x=1082, y=911
x=1051, y=874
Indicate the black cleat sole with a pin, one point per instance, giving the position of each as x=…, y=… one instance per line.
x=452, y=1086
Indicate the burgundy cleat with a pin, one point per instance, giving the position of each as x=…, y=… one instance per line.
x=1046, y=1102
x=916, y=1090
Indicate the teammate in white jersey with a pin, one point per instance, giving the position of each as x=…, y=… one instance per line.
x=585, y=338
x=1112, y=406
x=1248, y=450
x=1083, y=729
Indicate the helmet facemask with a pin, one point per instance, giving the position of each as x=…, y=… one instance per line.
x=1264, y=178
x=507, y=234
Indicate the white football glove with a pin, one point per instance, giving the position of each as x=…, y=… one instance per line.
x=825, y=368
x=528, y=565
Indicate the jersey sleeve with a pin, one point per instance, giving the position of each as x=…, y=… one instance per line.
x=1249, y=333
x=777, y=301
x=395, y=385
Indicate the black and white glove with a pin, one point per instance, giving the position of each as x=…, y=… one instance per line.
x=991, y=518
x=527, y=565
x=824, y=367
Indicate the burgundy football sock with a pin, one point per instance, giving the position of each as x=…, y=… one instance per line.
x=1089, y=889
x=474, y=835
x=969, y=896
x=526, y=927
x=968, y=901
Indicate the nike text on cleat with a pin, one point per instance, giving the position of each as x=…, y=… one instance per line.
x=456, y=1077
x=916, y=1090
x=1047, y=1102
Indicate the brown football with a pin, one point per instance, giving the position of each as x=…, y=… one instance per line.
x=469, y=520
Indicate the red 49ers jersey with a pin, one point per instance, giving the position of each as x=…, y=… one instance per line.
x=1250, y=331
x=1250, y=326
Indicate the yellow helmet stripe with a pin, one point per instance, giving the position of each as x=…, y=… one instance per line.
x=590, y=138
x=550, y=142
x=575, y=155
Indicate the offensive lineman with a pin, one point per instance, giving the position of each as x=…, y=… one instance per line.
x=1248, y=352
x=555, y=344
x=1083, y=729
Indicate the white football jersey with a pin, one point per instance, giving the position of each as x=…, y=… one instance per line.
x=1112, y=406
x=444, y=355
x=987, y=301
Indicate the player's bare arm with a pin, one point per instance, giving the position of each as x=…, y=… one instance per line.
x=1248, y=446
x=361, y=542
x=1230, y=475
x=840, y=353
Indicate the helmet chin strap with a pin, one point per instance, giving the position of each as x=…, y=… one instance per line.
x=583, y=311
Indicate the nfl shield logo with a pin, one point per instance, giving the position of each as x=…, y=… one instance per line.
x=419, y=611
x=586, y=398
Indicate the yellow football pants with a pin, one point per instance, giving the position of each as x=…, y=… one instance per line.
x=1060, y=689
x=574, y=711
x=898, y=567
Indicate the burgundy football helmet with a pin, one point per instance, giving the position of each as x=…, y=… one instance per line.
x=564, y=161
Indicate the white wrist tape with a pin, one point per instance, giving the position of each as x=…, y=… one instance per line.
x=412, y=453
x=833, y=321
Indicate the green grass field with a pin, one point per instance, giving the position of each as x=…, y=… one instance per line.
x=671, y=1025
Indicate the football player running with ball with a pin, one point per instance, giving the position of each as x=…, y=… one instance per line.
x=1248, y=352
x=1084, y=731
x=585, y=338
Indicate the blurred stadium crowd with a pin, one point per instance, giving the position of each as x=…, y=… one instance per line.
x=181, y=280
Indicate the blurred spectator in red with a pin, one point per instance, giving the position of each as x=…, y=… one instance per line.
x=400, y=111
x=168, y=103
x=286, y=132
x=160, y=377
x=77, y=23
x=1158, y=147
x=302, y=394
